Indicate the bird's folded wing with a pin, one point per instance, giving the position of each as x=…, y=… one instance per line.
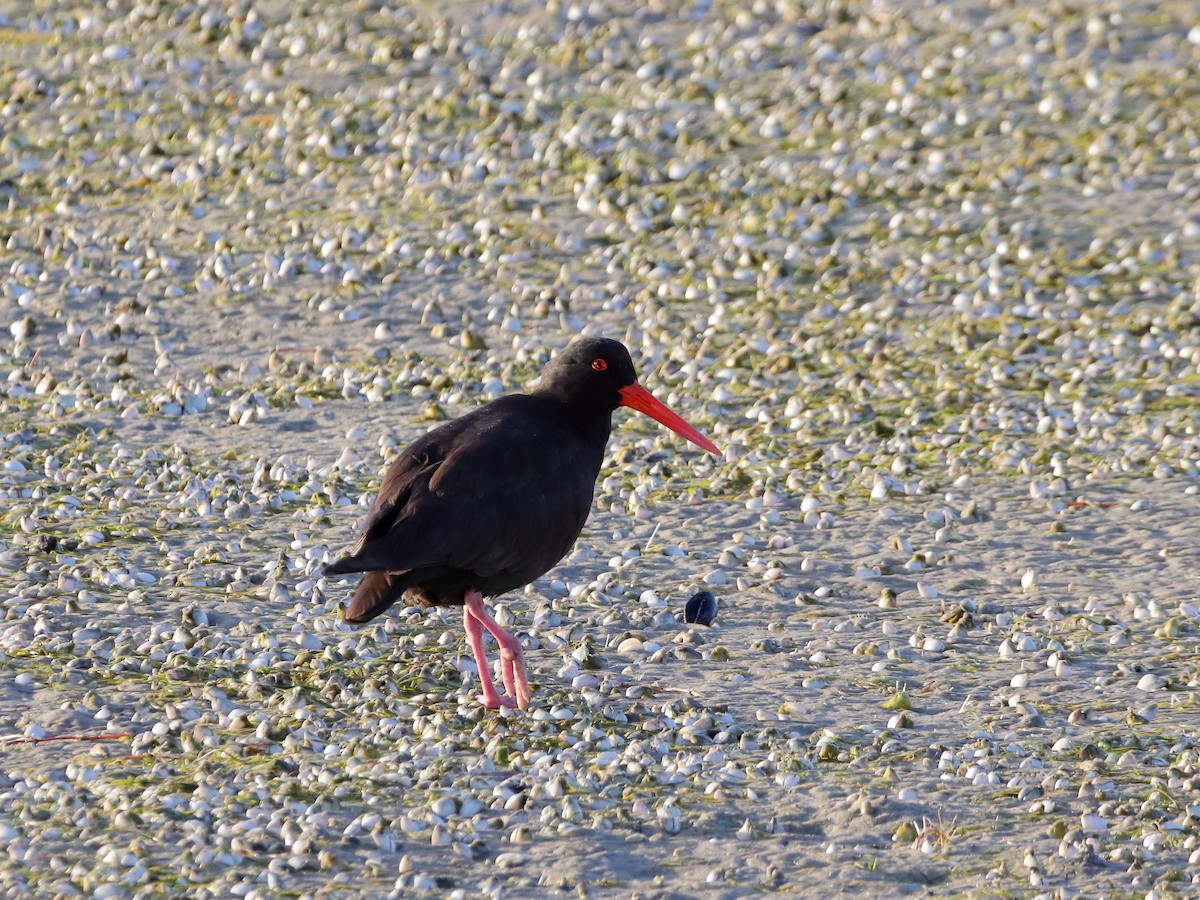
x=494, y=501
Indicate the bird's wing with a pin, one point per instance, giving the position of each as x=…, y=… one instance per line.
x=412, y=468
x=499, y=493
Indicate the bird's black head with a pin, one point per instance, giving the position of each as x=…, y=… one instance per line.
x=590, y=372
x=595, y=375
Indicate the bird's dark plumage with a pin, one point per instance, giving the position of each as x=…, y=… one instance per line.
x=492, y=500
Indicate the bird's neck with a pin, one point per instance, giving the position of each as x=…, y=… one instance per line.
x=591, y=422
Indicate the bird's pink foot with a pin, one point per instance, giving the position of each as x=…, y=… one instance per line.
x=515, y=674
x=491, y=699
x=512, y=660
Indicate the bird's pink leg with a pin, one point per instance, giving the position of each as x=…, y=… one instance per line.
x=512, y=659
x=490, y=698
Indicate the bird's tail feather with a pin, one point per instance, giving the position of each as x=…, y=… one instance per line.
x=374, y=594
x=343, y=566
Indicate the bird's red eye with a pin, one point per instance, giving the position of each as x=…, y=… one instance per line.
x=599, y=364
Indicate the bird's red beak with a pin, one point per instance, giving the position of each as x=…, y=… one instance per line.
x=637, y=397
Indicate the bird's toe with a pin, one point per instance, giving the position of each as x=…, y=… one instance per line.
x=495, y=700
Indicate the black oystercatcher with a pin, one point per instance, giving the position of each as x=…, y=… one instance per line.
x=490, y=501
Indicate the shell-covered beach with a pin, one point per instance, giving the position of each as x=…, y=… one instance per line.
x=929, y=275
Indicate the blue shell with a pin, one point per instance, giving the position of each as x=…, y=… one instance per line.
x=701, y=609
